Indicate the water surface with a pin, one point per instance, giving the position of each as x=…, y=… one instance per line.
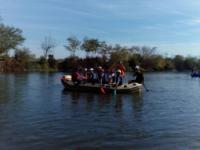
x=36, y=114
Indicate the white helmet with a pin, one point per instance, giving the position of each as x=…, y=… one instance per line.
x=137, y=67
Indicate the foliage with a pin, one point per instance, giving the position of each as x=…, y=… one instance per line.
x=10, y=38
x=179, y=62
x=68, y=64
x=22, y=61
x=121, y=55
x=147, y=51
x=43, y=63
x=73, y=45
x=90, y=45
x=52, y=62
x=104, y=49
x=108, y=55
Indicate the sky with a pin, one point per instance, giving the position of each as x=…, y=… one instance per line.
x=171, y=25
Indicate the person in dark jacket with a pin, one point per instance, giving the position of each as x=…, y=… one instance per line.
x=139, y=76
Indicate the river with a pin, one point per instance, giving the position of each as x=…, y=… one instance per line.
x=36, y=114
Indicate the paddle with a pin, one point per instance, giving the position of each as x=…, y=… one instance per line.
x=145, y=87
x=115, y=90
x=102, y=91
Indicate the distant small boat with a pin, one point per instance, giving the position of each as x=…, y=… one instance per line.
x=107, y=88
x=195, y=74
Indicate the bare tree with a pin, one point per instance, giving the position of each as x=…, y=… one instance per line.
x=148, y=51
x=134, y=49
x=104, y=48
x=47, y=46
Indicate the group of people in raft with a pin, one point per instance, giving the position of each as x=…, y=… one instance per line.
x=105, y=75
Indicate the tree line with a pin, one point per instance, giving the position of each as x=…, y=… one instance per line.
x=97, y=53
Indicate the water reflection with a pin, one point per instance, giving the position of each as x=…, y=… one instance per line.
x=94, y=101
x=12, y=87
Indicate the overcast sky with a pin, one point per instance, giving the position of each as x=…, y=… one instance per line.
x=171, y=25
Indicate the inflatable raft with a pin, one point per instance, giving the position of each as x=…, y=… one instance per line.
x=106, y=88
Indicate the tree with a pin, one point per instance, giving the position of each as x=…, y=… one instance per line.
x=121, y=55
x=116, y=48
x=90, y=45
x=148, y=51
x=73, y=45
x=52, y=61
x=10, y=38
x=134, y=60
x=134, y=49
x=104, y=49
x=47, y=46
x=179, y=62
x=22, y=60
x=190, y=63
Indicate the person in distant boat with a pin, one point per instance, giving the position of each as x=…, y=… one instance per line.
x=77, y=78
x=100, y=74
x=111, y=77
x=139, y=77
x=106, y=75
x=85, y=72
x=91, y=76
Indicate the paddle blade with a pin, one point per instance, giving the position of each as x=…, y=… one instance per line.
x=102, y=91
x=115, y=92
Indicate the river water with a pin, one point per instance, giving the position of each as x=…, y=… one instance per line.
x=36, y=114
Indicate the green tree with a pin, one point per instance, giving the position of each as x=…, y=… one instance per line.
x=72, y=45
x=159, y=63
x=10, y=38
x=90, y=45
x=134, y=49
x=169, y=64
x=179, y=62
x=104, y=50
x=23, y=58
x=121, y=55
x=190, y=63
x=134, y=60
x=52, y=62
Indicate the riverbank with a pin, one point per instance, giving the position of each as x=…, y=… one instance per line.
x=154, y=63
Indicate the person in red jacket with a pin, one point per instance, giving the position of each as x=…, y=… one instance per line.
x=77, y=78
x=120, y=73
x=121, y=67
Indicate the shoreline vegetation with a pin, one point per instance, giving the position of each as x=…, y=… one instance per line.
x=97, y=53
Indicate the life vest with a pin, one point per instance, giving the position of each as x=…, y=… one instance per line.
x=121, y=68
x=75, y=76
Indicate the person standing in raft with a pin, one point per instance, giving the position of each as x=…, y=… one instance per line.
x=91, y=76
x=100, y=74
x=120, y=73
x=138, y=74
